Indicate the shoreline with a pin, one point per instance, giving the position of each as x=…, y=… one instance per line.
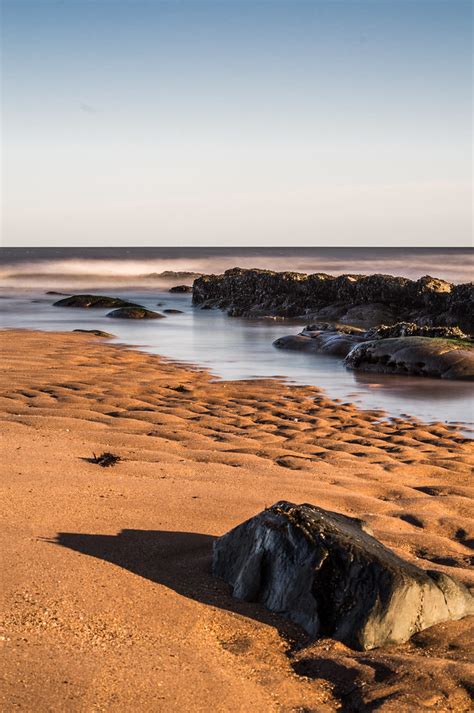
x=107, y=570
x=466, y=428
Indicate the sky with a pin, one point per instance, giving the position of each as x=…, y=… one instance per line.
x=198, y=123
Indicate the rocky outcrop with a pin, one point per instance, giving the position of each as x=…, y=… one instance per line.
x=368, y=300
x=135, y=312
x=326, y=572
x=404, y=348
x=181, y=289
x=93, y=301
x=415, y=356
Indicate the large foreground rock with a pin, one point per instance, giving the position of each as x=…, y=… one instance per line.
x=415, y=356
x=325, y=572
x=93, y=301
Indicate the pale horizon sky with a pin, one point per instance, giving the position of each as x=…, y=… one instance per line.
x=181, y=123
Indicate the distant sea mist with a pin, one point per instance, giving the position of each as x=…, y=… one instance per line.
x=24, y=268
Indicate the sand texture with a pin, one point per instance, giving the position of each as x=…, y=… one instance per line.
x=108, y=603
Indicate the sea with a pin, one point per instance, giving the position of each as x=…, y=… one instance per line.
x=230, y=348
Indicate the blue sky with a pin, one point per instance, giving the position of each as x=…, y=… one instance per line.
x=241, y=123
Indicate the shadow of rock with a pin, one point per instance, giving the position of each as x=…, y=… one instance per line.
x=181, y=561
x=178, y=560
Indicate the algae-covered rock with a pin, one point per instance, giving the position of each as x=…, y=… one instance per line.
x=326, y=572
x=416, y=356
x=93, y=301
x=410, y=329
x=135, y=312
x=370, y=300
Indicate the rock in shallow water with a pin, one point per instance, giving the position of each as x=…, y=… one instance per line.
x=415, y=356
x=93, y=301
x=337, y=340
x=136, y=312
x=95, y=332
x=181, y=288
x=325, y=572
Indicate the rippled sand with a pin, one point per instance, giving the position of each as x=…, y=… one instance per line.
x=109, y=604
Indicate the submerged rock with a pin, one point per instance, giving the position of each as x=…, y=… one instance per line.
x=173, y=311
x=95, y=332
x=93, y=301
x=181, y=288
x=135, y=312
x=326, y=572
x=415, y=356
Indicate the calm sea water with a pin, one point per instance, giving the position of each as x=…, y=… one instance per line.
x=240, y=349
x=73, y=267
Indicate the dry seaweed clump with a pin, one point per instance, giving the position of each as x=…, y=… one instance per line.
x=106, y=459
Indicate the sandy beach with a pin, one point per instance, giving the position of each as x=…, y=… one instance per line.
x=108, y=601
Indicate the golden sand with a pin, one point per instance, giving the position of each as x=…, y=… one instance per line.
x=108, y=600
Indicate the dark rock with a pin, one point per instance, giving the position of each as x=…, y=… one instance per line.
x=311, y=329
x=53, y=292
x=296, y=342
x=96, y=332
x=326, y=572
x=335, y=340
x=173, y=275
x=416, y=356
x=135, y=312
x=181, y=288
x=173, y=311
x=93, y=301
x=368, y=315
x=366, y=299
x=410, y=329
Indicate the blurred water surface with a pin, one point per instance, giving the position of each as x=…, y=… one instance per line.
x=242, y=349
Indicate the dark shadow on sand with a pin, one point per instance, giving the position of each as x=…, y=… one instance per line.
x=178, y=560
x=181, y=561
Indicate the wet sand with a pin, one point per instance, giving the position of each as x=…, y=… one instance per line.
x=108, y=600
